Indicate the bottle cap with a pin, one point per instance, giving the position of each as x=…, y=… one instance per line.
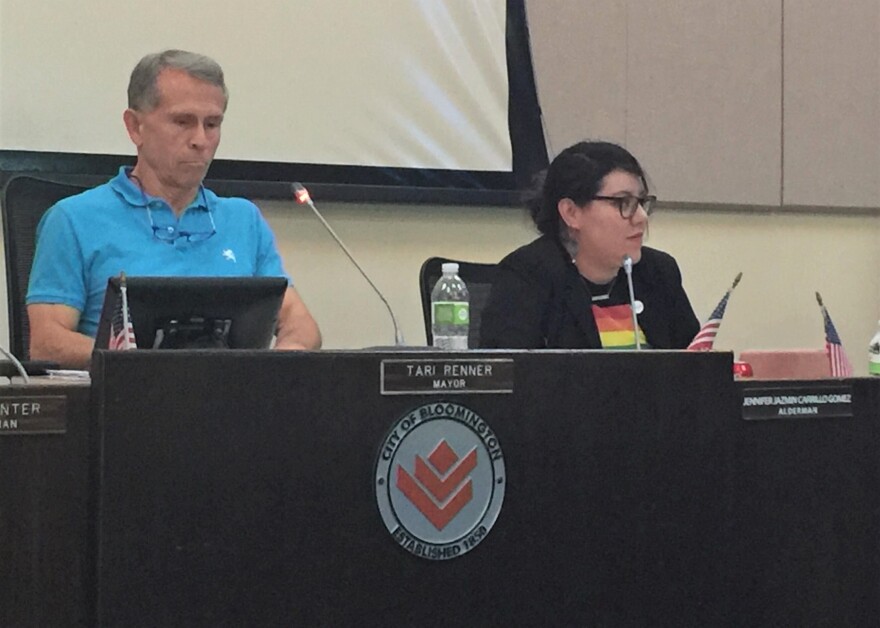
x=450, y=267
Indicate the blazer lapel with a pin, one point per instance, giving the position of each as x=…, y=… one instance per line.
x=580, y=306
x=652, y=320
x=575, y=300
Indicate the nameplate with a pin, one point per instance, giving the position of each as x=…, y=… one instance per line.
x=32, y=414
x=800, y=401
x=455, y=376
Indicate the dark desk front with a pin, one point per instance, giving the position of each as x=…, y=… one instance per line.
x=806, y=510
x=241, y=489
x=46, y=569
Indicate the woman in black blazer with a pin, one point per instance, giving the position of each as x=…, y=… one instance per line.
x=568, y=288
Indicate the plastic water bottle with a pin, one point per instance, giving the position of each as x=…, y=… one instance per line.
x=874, y=353
x=450, y=310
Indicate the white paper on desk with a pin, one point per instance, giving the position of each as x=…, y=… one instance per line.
x=67, y=374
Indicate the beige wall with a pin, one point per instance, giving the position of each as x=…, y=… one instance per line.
x=691, y=87
x=753, y=102
x=832, y=103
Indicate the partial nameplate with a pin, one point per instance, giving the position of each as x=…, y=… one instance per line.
x=801, y=401
x=456, y=376
x=33, y=414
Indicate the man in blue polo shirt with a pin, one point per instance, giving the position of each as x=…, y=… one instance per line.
x=154, y=219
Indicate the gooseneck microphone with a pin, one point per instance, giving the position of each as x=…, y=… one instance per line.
x=19, y=366
x=301, y=194
x=628, y=269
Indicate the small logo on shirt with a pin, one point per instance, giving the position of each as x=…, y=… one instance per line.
x=229, y=254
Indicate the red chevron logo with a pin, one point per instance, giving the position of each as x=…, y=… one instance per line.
x=431, y=491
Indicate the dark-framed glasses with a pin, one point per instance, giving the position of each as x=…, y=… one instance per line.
x=629, y=205
x=170, y=234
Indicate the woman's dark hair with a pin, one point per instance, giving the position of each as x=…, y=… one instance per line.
x=577, y=173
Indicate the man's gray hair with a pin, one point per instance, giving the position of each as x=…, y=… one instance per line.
x=143, y=93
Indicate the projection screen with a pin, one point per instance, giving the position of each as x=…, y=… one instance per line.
x=397, y=83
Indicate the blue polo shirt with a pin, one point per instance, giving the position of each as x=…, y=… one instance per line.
x=85, y=239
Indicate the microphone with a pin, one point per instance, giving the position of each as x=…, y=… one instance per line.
x=301, y=194
x=628, y=269
x=19, y=367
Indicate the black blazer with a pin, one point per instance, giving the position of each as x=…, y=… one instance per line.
x=539, y=300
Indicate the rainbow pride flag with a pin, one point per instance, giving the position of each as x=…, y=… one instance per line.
x=616, y=327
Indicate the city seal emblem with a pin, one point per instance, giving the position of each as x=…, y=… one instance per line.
x=440, y=480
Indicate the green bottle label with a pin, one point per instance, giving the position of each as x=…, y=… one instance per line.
x=451, y=313
x=874, y=365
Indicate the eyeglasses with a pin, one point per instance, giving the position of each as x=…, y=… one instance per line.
x=170, y=234
x=629, y=205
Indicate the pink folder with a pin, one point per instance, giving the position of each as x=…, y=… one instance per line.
x=788, y=363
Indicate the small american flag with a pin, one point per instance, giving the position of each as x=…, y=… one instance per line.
x=705, y=338
x=840, y=364
x=121, y=330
